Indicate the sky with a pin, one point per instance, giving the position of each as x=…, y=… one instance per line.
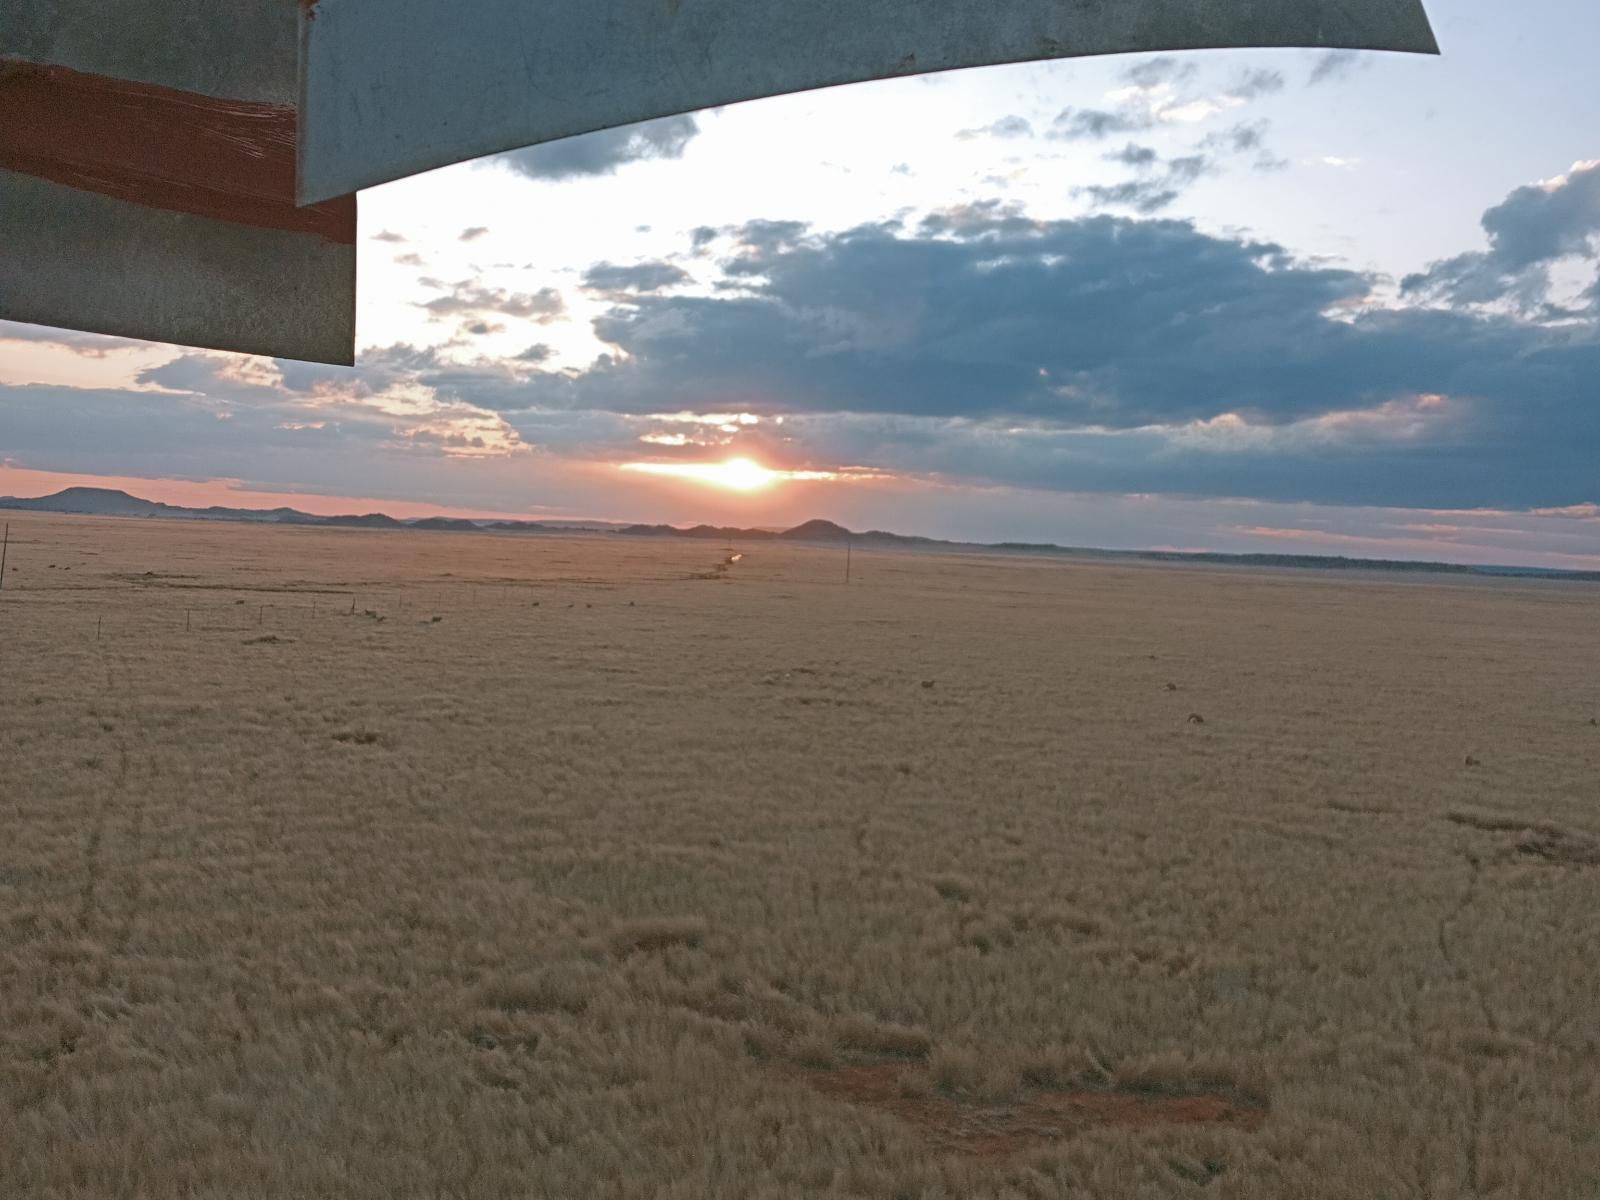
x=1318, y=302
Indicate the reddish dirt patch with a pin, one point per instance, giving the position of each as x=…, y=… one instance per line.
x=1032, y=1120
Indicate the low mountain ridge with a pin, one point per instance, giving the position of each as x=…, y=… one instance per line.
x=111, y=502
x=93, y=500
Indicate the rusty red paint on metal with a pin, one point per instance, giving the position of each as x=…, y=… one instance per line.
x=160, y=147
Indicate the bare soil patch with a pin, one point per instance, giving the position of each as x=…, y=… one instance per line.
x=1031, y=1121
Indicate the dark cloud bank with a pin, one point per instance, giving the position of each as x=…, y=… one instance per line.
x=603, y=152
x=1115, y=354
x=1101, y=354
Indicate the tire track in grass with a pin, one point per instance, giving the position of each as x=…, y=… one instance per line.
x=1464, y=977
x=88, y=896
x=117, y=798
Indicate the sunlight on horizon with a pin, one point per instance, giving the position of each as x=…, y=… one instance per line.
x=737, y=474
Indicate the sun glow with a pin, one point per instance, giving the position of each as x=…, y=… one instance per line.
x=739, y=474
x=736, y=474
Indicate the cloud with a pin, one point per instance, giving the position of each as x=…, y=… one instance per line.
x=1134, y=156
x=1334, y=65
x=1243, y=138
x=1097, y=124
x=640, y=277
x=388, y=235
x=1151, y=194
x=1141, y=195
x=85, y=345
x=1006, y=127
x=1161, y=70
x=1154, y=99
x=1246, y=137
x=410, y=260
x=1104, y=354
x=1188, y=168
x=1256, y=83
x=980, y=345
x=603, y=152
x=767, y=236
x=473, y=233
x=1530, y=231
x=482, y=328
x=467, y=298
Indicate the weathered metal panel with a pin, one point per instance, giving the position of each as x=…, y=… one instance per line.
x=240, y=49
x=152, y=152
x=147, y=178
x=393, y=87
x=80, y=260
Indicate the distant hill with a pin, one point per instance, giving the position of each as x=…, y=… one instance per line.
x=99, y=501
x=817, y=531
x=109, y=502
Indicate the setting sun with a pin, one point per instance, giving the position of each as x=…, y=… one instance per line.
x=738, y=474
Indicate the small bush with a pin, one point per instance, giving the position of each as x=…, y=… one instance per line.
x=537, y=992
x=659, y=933
x=1062, y=1069
x=883, y=1039
x=764, y=1044
x=956, y=1071
x=1174, y=1074
x=1062, y=916
x=814, y=1051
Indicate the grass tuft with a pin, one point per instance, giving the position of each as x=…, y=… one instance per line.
x=862, y=1035
x=659, y=933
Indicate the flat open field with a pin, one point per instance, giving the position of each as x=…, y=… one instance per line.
x=363, y=864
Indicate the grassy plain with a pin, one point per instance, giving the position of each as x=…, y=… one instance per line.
x=364, y=864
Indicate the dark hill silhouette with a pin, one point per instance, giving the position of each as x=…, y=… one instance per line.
x=817, y=530
x=101, y=501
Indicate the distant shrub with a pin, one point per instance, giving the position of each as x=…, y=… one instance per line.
x=537, y=992
x=885, y=1039
x=814, y=1050
x=764, y=1044
x=1061, y=916
x=1062, y=1069
x=955, y=1071
x=964, y=1074
x=1175, y=1074
x=659, y=933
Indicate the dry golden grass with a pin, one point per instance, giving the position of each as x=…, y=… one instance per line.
x=471, y=865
